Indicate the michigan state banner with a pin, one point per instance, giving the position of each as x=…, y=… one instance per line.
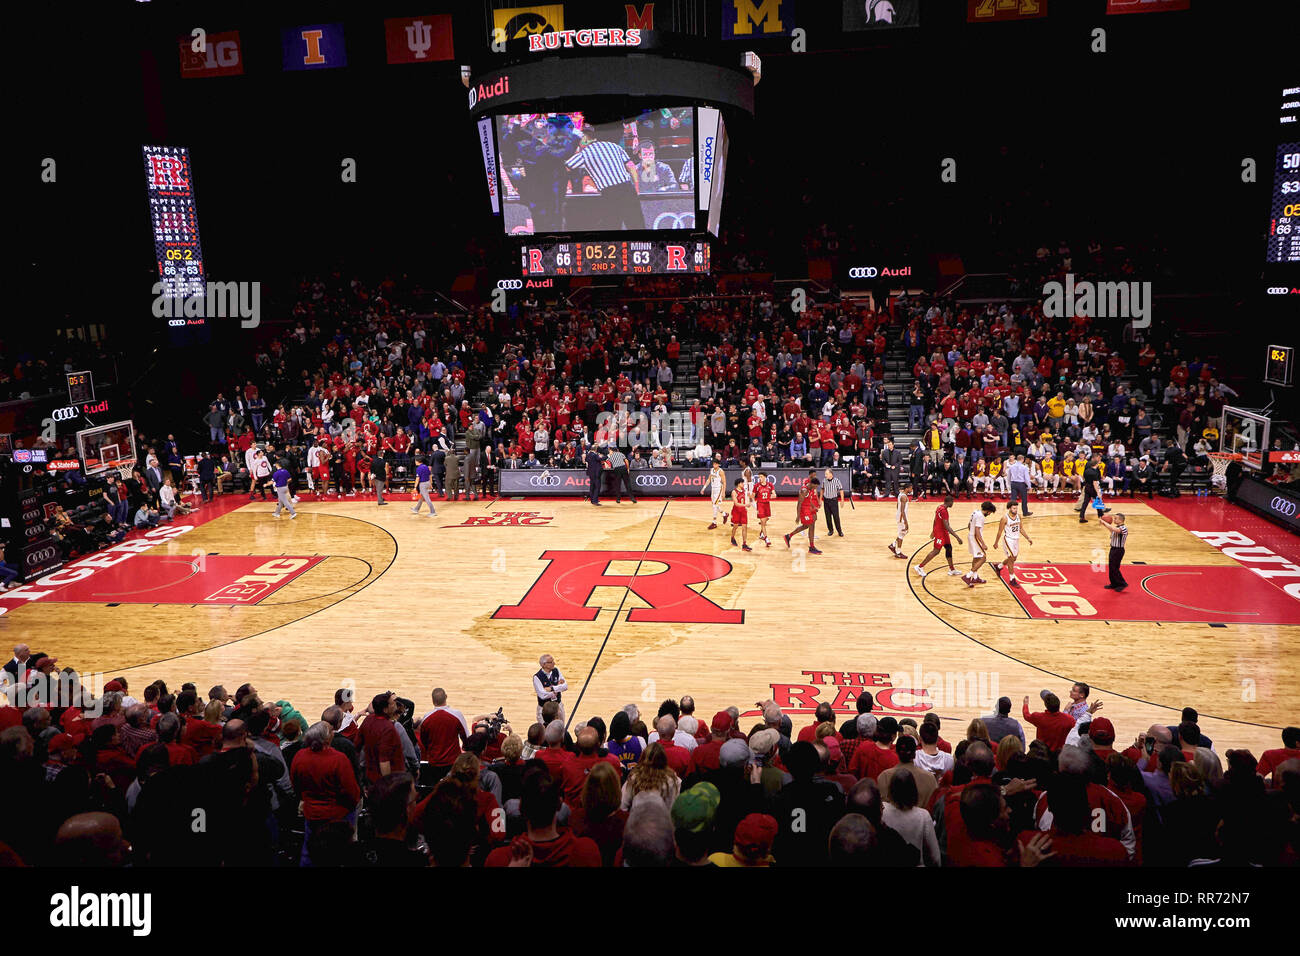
x=881, y=14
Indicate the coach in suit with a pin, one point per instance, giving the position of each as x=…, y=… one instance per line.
x=891, y=459
x=595, y=469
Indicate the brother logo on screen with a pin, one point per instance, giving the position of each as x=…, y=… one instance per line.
x=708, y=159
x=102, y=910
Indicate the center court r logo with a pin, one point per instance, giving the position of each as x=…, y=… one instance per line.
x=562, y=591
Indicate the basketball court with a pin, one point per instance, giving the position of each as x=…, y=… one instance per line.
x=641, y=602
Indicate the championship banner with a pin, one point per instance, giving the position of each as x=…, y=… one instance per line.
x=991, y=11
x=317, y=47
x=521, y=22
x=655, y=482
x=1146, y=6
x=419, y=39
x=221, y=56
x=757, y=19
x=881, y=14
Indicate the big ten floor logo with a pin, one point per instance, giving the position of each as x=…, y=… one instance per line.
x=1052, y=593
x=662, y=579
x=262, y=580
x=505, y=519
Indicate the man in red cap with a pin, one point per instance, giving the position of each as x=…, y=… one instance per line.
x=62, y=751
x=752, y=844
x=705, y=756
x=1102, y=732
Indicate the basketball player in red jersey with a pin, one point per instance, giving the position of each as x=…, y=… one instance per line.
x=322, y=472
x=809, y=503
x=941, y=537
x=740, y=512
x=764, y=492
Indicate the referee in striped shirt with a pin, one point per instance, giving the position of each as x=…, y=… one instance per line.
x=1118, y=541
x=614, y=174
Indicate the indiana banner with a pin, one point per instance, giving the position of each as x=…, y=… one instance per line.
x=1146, y=6
x=317, y=47
x=756, y=19
x=881, y=14
x=991, y=11
x=221, y=56
x=419, y=39
x=520, y=22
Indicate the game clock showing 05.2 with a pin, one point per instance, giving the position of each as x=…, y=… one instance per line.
x=1278, y=367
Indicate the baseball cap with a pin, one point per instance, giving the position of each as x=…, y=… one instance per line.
x=1102, y=730
x=1044, y=694
x=694, y=809
x=755, y=833
x=735, y=753
x=721, y=721
x=61, y=742
x=764, y=742
x=113, y=686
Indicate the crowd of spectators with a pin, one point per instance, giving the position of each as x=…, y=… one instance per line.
x=108, y=779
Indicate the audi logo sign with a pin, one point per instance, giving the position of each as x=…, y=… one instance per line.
x=30, y=516
x=679, y=220
x=863, y=272
x=651, y=481
x=35, y=531
x=39, y=556
x=544, y=480
x=66, y=414
x=1283, y=506
x=671, y=482
x=510, y=283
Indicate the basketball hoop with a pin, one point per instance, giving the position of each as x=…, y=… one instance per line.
x=1219, y=461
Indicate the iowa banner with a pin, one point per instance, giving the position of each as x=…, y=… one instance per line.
x=1146, y=6
x=418, y=39
x=881, y=14
x=757, y=19
x=991, y=11
x=221, y=56
x=520, y=22
x=317, y=47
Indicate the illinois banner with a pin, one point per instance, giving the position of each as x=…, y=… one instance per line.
x=756, y=19
x=989, y=11
x=317, y=47
x=881, y=14
x=220, y=56
x=520, y=22
x=1146, y=6
x=419, y=39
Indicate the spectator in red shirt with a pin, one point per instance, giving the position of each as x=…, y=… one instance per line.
x=597, y=813
x=543, y=844
x=1072, y=842
x=443, y=733
x=552, y=752
x=679, y=758
x=169, y=732
x=1052, y=725
x=1272, y=759
x=323, y=779
x=872, y=757
x=706, y=756
x=581, y=764
x=379, y=741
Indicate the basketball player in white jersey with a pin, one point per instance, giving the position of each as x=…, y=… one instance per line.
x=1036, y=480
x=900, y=514
x=1009, y=532
x=975, y=541
x=716, y=488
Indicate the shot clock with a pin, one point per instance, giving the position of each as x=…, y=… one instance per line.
x=81, y=388
x=1278, y=367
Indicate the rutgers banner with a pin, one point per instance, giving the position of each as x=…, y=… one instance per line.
x=220, y=56
x=990, y=11
x=1146, y=6
x=418, y=39
x=654, y=482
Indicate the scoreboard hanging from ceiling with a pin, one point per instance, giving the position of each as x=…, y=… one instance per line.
x=175, y=221
x=615, y=257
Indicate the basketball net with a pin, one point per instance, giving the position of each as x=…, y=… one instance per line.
x=1219, y=461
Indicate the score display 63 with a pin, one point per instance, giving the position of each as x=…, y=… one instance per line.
x=614, y=257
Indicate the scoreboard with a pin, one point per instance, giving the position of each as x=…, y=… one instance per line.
x=1279, y=365
x=1284, y=218
x=615, y=257
x=175, y=220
